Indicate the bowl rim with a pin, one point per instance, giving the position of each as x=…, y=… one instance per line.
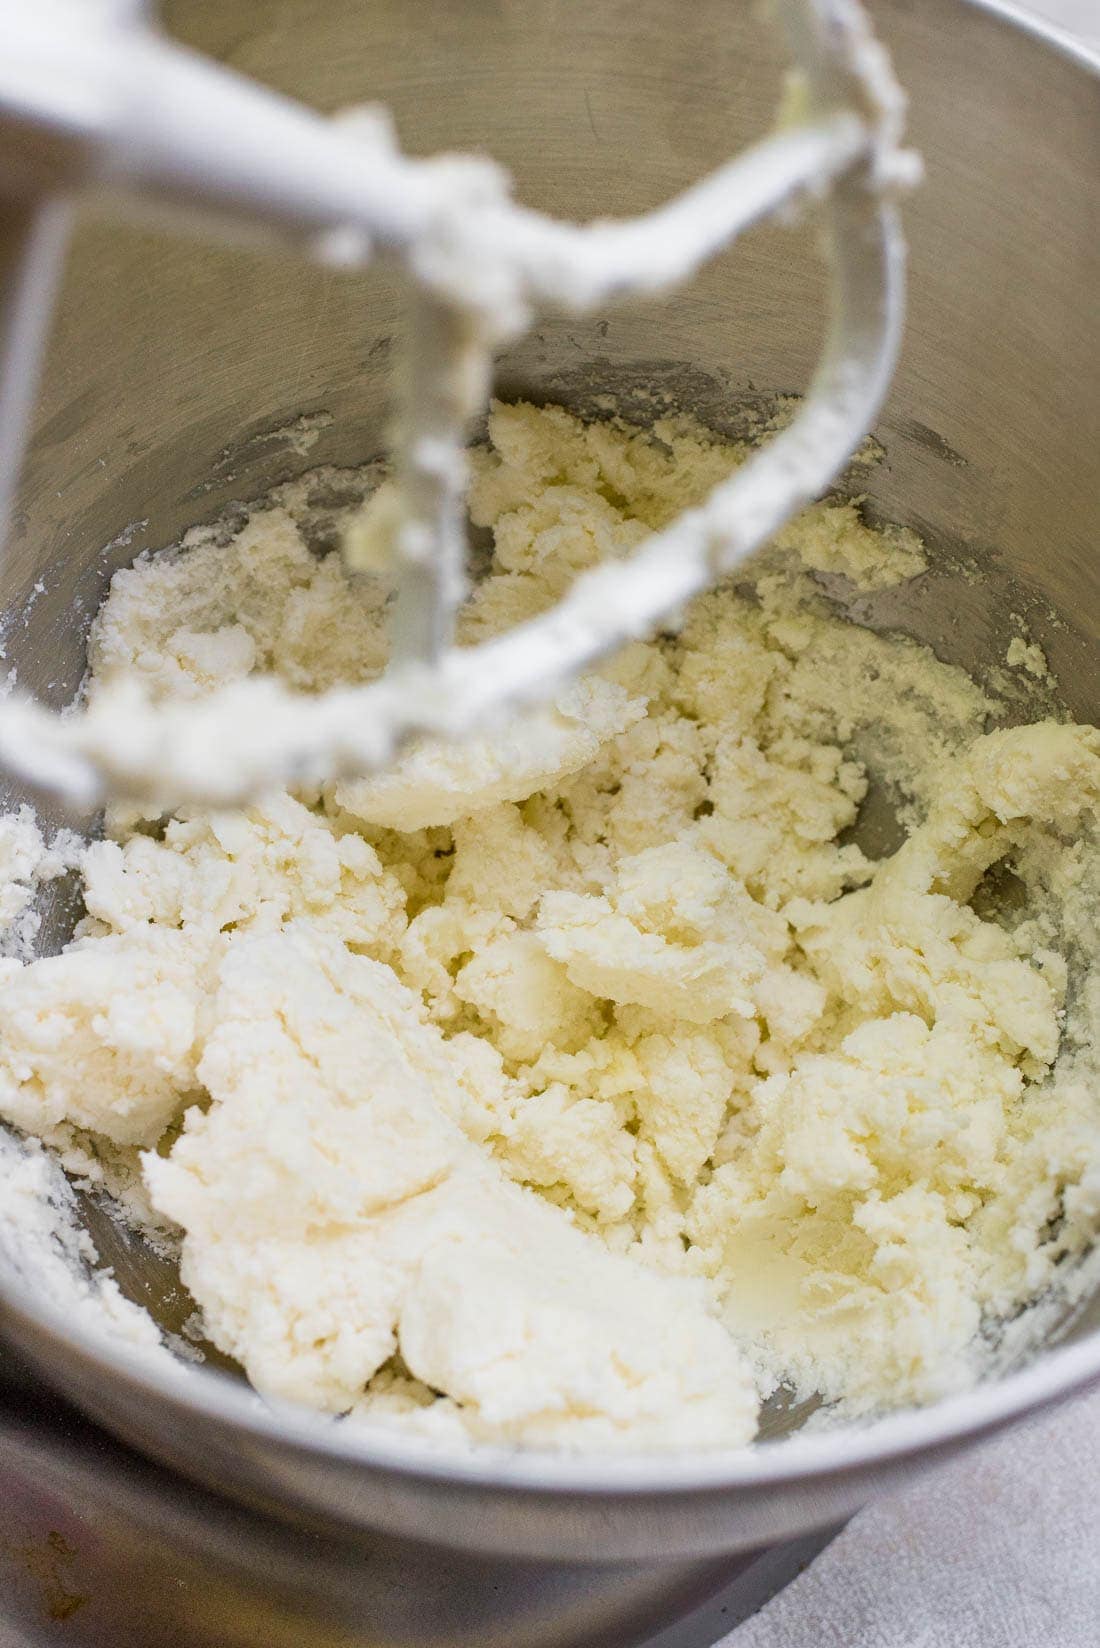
x=74, y=1354
x=71, y=1353
x=1050, y=34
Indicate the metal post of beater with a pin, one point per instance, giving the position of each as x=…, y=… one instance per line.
x=92, y=98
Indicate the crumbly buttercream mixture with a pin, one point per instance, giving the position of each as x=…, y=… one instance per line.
x=579, y=1085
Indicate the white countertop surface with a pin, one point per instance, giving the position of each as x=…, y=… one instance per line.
x=1001, y=1548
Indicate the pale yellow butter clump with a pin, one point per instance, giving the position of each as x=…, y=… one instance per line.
x=348, y=1215
x=434, y=786
x=578, y=1085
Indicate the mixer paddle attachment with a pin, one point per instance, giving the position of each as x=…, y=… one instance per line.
x=92, y=100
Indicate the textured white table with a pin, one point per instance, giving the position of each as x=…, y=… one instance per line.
x=1000, y=1549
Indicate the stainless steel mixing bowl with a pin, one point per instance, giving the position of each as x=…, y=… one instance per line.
x=175, y=363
